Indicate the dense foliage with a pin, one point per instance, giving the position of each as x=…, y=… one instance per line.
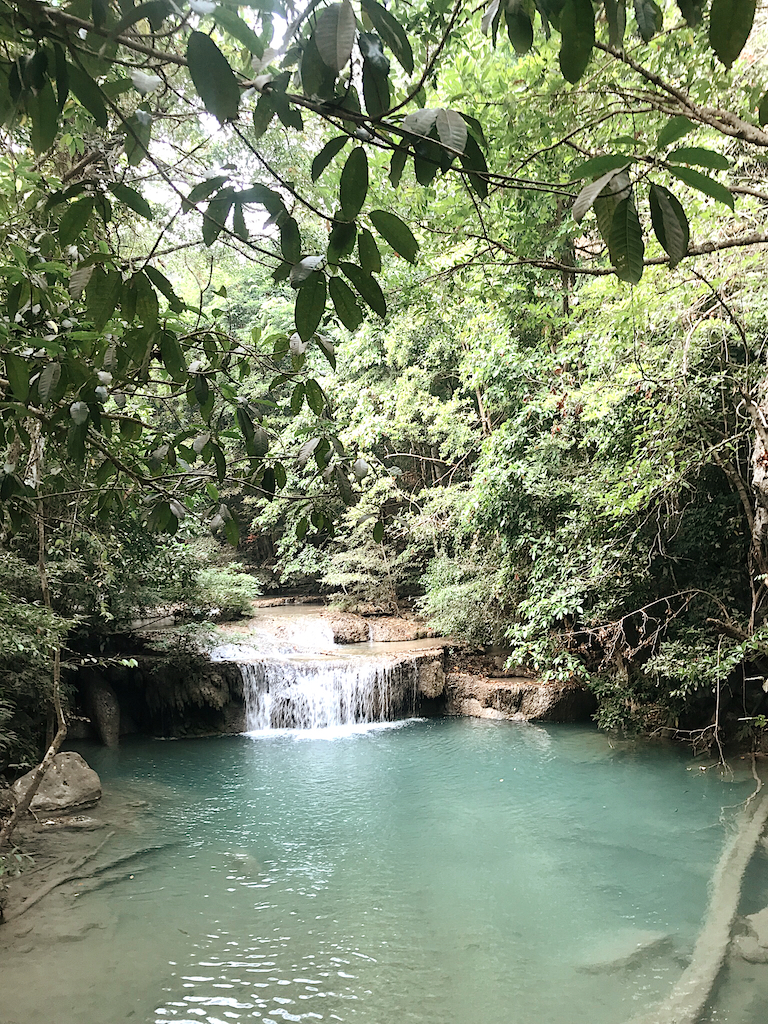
x=338, y=285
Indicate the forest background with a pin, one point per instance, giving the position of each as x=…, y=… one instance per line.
x=452, y=302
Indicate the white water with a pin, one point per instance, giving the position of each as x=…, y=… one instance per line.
x=312, y=694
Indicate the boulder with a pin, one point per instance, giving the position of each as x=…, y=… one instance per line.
x=431, y=677
x=753, y=946
x=68, y=785
x=518, y=699
x=347, y=628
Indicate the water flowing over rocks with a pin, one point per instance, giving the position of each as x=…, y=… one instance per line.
x=68, y=785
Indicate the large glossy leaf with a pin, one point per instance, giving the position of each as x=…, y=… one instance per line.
x=326, y=154
x=173, y=357
x=216, y=215
x=303, y=269
x=376, y=90
x=519, y=26
x=616, y=13
x=627, y=248
x=370, y=257
x=18, y=369
x=577, y=32
x=238, y=29
x=88, y=94
x=674, y=129
x=317, y=79
x=345, y=303
x=213, y=78
x=421, y=122
x=290, y=240
x=699, y=156
x=692, y=11
x=670, y=223
x=396, y=232
x=649, y=18
x=762, y=111
x=310, y=305
x=353, y=187
x=366, y=286
x=74, y=220
x=131, y=198
x=103, y=295
x=474, y=164
x=43, y=108
x=392, y=32
x=451, y=130
x=341, y=241
x=730, y=22
x=599, y=165
x=335, y=34
x=704, y=184
x=263, y=113
x=590, y=192
x=49, y=378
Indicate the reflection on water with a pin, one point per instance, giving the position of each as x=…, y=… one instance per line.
x=443, y=872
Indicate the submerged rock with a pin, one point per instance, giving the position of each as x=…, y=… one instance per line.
x=68, y=785
x=753, y=946
x=625, y=950
x=517, y=698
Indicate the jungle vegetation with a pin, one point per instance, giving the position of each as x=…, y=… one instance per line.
x=449, y=302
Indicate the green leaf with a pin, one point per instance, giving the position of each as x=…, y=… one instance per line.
x=78, y=412
x=375, y=89
x=326, y=154
x=370, y=257
x=281, y=477
x=396, y=233
x=245, y=423
x=47, y=381
x=616, y=13
x=147, y=306
x=137, y=137
x=474, y=164
x=345, y=304
x=18, y=371
x=378, y=532
x=669, y=223
x=342, y=482
x=599, y=165
x=577, y=32
x=304, y=269
x=263, y=113
x=730, y=22
x=103, y=294
x=213, y=77
x=341, y=241
x=290, y=240
x=239, y=226
x=590, y=192
x=232, y=530
x=649, y=18
x=310, y=305
x=519, y=27
x=397, y=166
x=627, y=248
x=315, y=397
x=76, y=436
x=43, y=108
x=204, y=189
x=366, y=286
x=699, y=156
x=353, y=187
x=451, y=130
x=674, y=129
x=301, y=529
x=259, y=446
x=704, y=184
x=220, y=461
x=173, y=357
x=317, y=79
x=88, y=94
x=74, y=220
x=392, y=33
x=692, y=11
x=237, y=28
x=164, y=286
x=201, y=388
x=762, y=111
x=335, y=34
x=132, y=200
x=216, y=215
x=297, y=398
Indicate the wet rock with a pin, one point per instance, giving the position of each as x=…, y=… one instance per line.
x=627, y=949
x=104, y=709
x=347, y=628
x=68, y=785
x=431, y=678
x=753, y=946
x=518, y=699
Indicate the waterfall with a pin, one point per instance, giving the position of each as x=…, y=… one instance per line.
x=326, y=693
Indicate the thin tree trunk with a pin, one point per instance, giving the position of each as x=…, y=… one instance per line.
x=61, y=726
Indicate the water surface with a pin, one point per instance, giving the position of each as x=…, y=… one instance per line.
x=438, y=872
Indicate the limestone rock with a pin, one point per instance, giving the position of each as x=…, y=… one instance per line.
x=347, y=628
x=431, y=678
x=519, y=699
x=104, y=710
x=68, y=785
x=754, y=945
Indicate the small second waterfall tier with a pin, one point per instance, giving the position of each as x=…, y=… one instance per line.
x=326, y=693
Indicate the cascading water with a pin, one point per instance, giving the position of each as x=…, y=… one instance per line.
x=324, y=694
